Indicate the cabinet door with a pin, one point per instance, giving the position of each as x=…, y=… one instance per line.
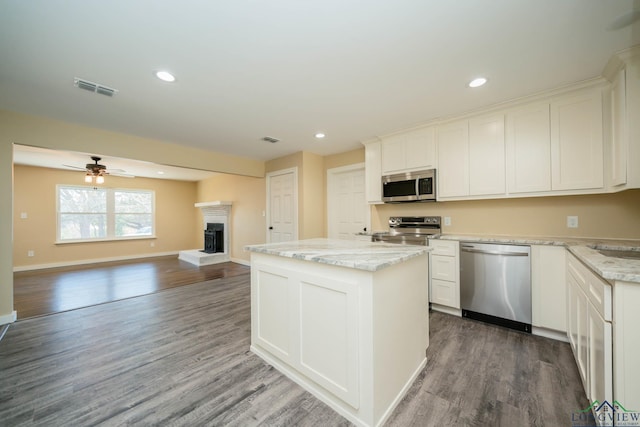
x=486, y=156
x=393, y=154
x=600, y=358
x=582, y=357
x=619, y=143
x=420, y=149
x=453, y=160
x=576, y=142
x=373, y=171
x=528, y=149
x=548, y=287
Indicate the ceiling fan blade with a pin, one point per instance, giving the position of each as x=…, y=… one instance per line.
x=122, y=175
x=75, y=167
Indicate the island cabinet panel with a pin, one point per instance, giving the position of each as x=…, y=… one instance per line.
x=274, y=313
x=354, y=338
x=328, y=336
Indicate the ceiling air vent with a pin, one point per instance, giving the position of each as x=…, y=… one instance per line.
x=270, y=139
x=94, y=87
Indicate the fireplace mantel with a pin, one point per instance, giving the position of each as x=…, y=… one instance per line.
x=213, y=204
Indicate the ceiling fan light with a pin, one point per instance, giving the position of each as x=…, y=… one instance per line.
x=88, y=178
x=100, y=179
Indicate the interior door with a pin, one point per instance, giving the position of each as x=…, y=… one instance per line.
x=347, y=208
x=282, y=200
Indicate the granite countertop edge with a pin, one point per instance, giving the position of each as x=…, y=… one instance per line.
x=609, y=268
x=358, y=255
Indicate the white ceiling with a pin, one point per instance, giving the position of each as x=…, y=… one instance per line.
x=290, y=68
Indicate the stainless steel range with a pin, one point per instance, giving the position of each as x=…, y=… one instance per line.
x=410, y=230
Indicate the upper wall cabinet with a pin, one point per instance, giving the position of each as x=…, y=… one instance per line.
x=576, y=141
x=486, y=156
x=471, y=158
x=528, y=149
x=619, y=142
x=409, y=151
x=453, y=160
x=372, y=167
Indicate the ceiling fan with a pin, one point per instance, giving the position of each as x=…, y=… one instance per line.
x=95, y=172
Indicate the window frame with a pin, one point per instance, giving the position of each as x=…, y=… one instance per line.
x=110, y=215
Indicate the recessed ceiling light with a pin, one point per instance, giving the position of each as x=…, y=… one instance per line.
x=477, y=82
x=165, y=76
x=320, y=135
x=160, y=173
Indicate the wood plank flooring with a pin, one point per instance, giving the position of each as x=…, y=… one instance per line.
x=181, y=357
x=54, y=290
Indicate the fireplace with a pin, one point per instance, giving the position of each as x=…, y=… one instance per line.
x=213, y=238
x=217, y=233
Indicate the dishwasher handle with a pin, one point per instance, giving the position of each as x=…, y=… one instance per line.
x=480, y=251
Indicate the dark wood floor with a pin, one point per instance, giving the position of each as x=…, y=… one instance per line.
x=181, y=357
x=54, y=290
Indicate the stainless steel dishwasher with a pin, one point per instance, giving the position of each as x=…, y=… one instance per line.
x=495, y=284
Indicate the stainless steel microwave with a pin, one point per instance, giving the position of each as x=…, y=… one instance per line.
x=409, y=187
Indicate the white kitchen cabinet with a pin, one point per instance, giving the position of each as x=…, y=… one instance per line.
x=600, y=357
x=576, y=141
x=619, y=142
x=373, y=171
x=453, y=160
x=528, y=148
x=444, y=275
x=548, y=287
x=589, y=319
x=409, y=151
x=626, y=345
x=487, y=156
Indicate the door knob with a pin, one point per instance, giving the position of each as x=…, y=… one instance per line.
x=270, y=228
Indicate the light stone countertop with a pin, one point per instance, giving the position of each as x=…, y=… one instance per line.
x=361, y=255
x=585, y=250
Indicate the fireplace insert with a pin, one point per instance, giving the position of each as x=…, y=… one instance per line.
x=214, y=238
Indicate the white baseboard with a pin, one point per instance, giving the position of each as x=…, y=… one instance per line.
x=549, y=333
x=91, y=261
x=241, y=261
x=445, y=309
x=8, y=318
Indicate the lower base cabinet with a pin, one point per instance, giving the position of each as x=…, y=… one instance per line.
x=589, y=329
x=444, y=275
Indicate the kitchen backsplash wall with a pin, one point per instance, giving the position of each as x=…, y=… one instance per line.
x=600, y=216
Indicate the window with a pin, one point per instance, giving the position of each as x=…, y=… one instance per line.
x=88, y=213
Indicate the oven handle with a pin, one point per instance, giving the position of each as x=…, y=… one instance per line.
x=479, y=251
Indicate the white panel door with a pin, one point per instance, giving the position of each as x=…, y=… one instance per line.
x=282, y=206
x=576, y=142
x=486, y=156
x=347, y=208
x=528, y=149
x=453, y=160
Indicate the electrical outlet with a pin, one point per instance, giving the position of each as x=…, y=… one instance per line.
x=23, y=215
x=447, y=220
x=572, y=221
x=31, y=253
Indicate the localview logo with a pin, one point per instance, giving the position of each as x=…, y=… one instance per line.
x=605, y=414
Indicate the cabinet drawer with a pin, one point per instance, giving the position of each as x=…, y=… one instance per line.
x=597, y=290
x=444, y=247
x=443, y=268
x=444, y=293
x=600, y=296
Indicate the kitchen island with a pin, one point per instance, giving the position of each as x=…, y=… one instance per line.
x=346, y=320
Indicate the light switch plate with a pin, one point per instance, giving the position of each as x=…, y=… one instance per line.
x=572, y=221
x=447, y=220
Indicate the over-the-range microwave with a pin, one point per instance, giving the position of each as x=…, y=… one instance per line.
x=409, y=187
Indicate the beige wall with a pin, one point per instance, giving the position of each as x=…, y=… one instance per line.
x=6, y=232
x=40, y=132
x=600, y=216
x=35, y=195
x=344, y=159
x=247, y=224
